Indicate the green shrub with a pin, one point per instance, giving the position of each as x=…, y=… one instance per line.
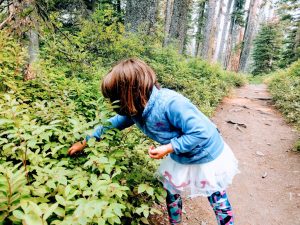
x=285, y=89
x=12, y=61
x=112, y=182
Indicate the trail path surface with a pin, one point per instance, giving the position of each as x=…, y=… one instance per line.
x=263, y=147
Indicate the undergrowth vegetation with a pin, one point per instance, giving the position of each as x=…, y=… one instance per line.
x=285, y=89
x=113, y=181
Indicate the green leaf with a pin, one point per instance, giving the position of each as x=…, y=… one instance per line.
x=108, y=213
x=118, y=209
x=5, y=121
x=32, y=219
x=35, y=208
x=59, y=211
x=150, y=190
x=142, y=188
x=114, y=220
x=101, y=221
x=146, y=213
x=60, y=200
x=144, y=220
x=18, y=214
x=50, y=211
x=139, y=210
x=31, y=143
x=160, y=198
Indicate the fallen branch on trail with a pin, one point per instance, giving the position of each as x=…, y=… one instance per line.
x=239, y=124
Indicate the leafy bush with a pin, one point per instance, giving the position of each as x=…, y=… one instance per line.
x=285, y=89
x=112, y=182
x=12, y=60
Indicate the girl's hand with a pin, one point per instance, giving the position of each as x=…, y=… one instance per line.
x=77, y=147
x=160, y=152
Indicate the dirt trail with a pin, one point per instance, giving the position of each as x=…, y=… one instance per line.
x=263, y=149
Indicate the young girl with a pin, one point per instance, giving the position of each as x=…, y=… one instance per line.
x=198, y=162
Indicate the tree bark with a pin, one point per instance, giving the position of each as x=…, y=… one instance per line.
x=90, y=5
x=168, y=16
x=33, y=52
x=217, y=29
x=233, y=64
x=178, y=27
x=200, y=24
x=118, y=6
x=248, y=35
x=232, y=35
x=141, y=15
x=11, y=13
x=206, y=51
x=224, y=32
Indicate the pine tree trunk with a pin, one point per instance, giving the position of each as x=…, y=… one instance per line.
x=217, y=29
x=90, y=5
x=118, y=6
x=208, y=41
x=235, y=54
x=178, y=27
x=33, y=53
x=141, y=15
x=248, y=35
x=297, y=42
x=224, y=32
x=232, y=37
x=168, y=16
x=200, y=24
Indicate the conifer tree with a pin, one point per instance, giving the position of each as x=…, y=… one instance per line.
x=291, y=50
x=267, y=49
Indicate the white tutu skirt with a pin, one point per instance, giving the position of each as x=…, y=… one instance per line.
x=193, y=180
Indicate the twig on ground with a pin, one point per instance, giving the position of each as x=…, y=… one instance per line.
x=239, y=124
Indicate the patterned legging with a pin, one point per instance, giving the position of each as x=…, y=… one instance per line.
x=218, y=201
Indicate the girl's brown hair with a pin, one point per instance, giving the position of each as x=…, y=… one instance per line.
x=129, y=85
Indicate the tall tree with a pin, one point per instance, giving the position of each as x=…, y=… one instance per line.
x=141, y=15
x=200, y=26
x=206, y=51
x=249, y=33
x=179, y=26
x=224, y=31
x=267, y=48
x=237, y=21
x=291, y=52
x=33, y=53
x=23, y=19
x=289, y=13
x=217, y=30
x=168, y=17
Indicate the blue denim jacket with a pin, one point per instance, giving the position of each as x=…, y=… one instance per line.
x=169, y=117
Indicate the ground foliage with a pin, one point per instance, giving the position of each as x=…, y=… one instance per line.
x=113, y=181
x=285, y=89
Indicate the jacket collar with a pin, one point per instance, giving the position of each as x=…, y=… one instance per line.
x=150, y=102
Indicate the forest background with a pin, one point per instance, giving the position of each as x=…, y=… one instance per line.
x=53, y=55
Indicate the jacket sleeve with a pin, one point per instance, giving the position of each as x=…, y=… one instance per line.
x=185, y=116
x=117, y=121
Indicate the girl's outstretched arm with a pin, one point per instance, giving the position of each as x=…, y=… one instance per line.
x=117, y=121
